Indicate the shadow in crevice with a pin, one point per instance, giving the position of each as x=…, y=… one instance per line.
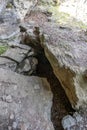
x=61, y=106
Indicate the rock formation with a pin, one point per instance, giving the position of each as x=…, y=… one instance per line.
x=65, y=50
x=25, y=22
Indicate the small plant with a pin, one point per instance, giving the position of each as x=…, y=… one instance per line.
x=9, y=5
x=3, y=49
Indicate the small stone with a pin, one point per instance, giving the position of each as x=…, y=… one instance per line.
x=12, y=116
x=68, y=121
x=14, y=126
x=9, y=128
x=9, y=99
x=77, y=116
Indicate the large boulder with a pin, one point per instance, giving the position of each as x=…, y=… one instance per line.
x=25, y=102
x=65, y=49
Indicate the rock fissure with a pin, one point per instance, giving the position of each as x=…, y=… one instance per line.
x=61, y=105
x=65, y=74
x=35, y=78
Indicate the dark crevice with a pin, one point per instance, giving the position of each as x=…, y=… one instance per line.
x=61, y=106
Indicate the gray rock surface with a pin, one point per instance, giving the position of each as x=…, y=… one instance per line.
x=17, y=54
x=7, y=64
x=68, y=122
x=19, y=58
x=9, y=33
x=27, y=66
x=75, y=8
x=65, y=49
x=11, y=13
x=22, y=7
x=15, y=8
x=2, y=5
x=25, y=101
x=75, y=122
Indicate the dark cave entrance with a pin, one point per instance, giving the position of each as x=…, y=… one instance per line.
x=61, y=105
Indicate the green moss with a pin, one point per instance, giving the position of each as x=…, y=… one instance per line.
x=65, y=18
x=60, y=17
x=3, y=49
x=79, y=24
x=9, y=5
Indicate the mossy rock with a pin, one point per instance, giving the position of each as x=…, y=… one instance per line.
x=63, y=18
x=9, y=5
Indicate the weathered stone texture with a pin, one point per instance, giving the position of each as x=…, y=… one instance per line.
x=65, y=49
x=29, y=99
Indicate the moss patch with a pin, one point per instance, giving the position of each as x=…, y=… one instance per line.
x=65, y=18
x=9, y=5
x=3, y=49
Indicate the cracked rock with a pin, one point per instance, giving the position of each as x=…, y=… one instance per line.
x=27, y=66
x=75, y=122
x=35, y=106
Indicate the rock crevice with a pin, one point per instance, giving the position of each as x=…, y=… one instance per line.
x=65, y=60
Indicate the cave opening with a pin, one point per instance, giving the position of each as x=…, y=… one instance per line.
x=61, y=105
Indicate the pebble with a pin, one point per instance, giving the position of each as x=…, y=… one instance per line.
x=9, y=99
x=9, y=128
x=77, y=116
x=14, y=126
x=68, y=121
x=12, y=116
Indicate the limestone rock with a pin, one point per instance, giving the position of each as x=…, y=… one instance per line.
x=19, y=58
x=66, y=52
x=75, y=8
x=68, y=122
x=16, y=53
x=2, y=5
x=11, y=13
x=7, y=64
x=31, y=107
x=9, y=33
x=22, y=7
x=15, y=8
x=75, y=122
x=27, y=66
x=65, y=49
